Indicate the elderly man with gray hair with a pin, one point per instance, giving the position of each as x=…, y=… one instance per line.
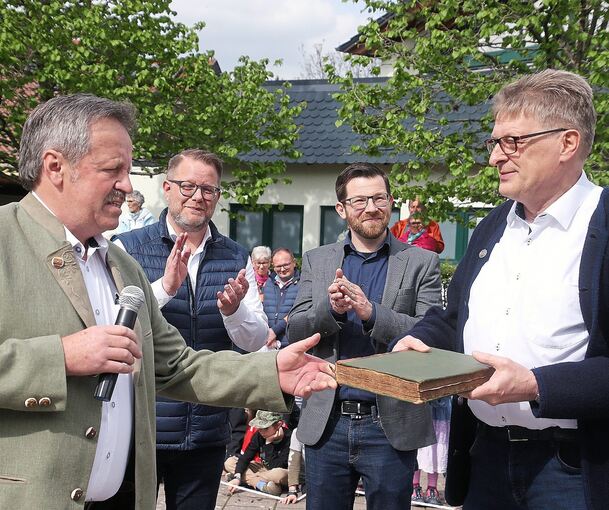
x=137, y=216
x=530, y=298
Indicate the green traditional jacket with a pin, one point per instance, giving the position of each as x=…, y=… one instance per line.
x=46, y=454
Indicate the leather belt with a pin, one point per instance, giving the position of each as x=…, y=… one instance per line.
x=355, y=407
x=514, y=433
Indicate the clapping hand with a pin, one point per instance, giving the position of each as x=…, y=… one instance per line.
x=176, y=267
x=349, y=296
x=234, y=291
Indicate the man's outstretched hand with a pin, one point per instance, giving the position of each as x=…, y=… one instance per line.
x=300, y=373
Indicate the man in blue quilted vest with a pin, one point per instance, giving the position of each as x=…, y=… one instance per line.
x=206, y=288
x=280, y=292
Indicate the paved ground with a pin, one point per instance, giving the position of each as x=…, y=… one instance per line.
x=246, y=500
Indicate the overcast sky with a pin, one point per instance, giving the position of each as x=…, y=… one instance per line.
x=273, y=29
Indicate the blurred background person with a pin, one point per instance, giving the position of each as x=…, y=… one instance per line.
x=433, y=459
x=417, y=209
x=261, y=260
x=280, y=292
x=417, y=235
x=136, y=216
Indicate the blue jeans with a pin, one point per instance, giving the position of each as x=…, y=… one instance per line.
x=191, y=477
x=523, y=475
x=348, y=449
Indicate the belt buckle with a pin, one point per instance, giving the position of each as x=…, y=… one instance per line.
x=514, y=439
x=357, y=415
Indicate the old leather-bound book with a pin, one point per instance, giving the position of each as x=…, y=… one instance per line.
x=414, y=376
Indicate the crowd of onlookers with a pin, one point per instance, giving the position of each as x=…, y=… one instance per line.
x=264, y=452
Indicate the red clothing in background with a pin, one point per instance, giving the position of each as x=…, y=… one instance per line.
x=433, y=230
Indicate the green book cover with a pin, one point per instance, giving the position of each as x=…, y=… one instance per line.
x=419, y=366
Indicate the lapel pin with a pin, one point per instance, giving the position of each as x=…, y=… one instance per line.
x=57, y=262
x=482, y=254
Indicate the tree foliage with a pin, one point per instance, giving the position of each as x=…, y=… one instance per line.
x=449, y=58
x=134, y=50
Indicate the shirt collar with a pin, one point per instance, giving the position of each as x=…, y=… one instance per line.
x=174, y=235
x=563, y=209
x=349, y=248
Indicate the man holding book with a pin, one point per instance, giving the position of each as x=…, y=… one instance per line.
x=359, y=294
x=530, y=299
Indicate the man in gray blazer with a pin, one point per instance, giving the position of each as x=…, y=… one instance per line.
x=360, y=294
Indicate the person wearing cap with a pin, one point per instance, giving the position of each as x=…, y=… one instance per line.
x=272, y=443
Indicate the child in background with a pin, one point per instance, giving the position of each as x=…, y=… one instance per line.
x=432, y=459
x=296, y=466
x=272, y=443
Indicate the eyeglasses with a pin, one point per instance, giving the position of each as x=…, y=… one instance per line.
x=359, y=203
x=282, y=266
x=188, y=189
x=509, y=144
x=262, y=263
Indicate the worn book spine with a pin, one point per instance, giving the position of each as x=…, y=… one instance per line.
x=411, y=391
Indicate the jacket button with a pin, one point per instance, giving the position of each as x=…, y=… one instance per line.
x=44, y=402
x=31, y=402
x=76, y=494
x=90, y=433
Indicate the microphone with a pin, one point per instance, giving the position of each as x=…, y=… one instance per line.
x=130, y=301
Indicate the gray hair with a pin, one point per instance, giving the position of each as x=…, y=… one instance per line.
x=63, y=124
x=261, y=252
x=137, y=196
x=555, y=98
x=204, y=156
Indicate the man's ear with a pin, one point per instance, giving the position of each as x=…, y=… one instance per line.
x=166, y=188
x=340, y=209
x=571, y=141
x=54, y=166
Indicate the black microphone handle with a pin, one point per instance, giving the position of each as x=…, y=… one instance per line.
x=106, y=382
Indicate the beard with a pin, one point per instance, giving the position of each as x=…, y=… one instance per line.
x=368, y=230
x=190, y=224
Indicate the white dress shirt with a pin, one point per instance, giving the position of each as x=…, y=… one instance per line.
x=116, y=428
x=524, y=303
x=248, y=327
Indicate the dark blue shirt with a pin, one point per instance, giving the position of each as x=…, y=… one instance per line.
x=369, y=271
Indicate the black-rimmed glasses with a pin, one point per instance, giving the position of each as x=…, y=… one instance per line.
x=360, y=202
x=509, y=143
x=188, y=189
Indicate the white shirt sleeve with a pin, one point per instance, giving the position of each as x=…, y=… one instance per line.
x=248, y=327
x=161, y=296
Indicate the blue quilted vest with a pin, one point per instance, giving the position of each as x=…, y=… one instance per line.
x=182, y=425
x=278, y=302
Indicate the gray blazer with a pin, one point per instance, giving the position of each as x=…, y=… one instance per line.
x=412, y=287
